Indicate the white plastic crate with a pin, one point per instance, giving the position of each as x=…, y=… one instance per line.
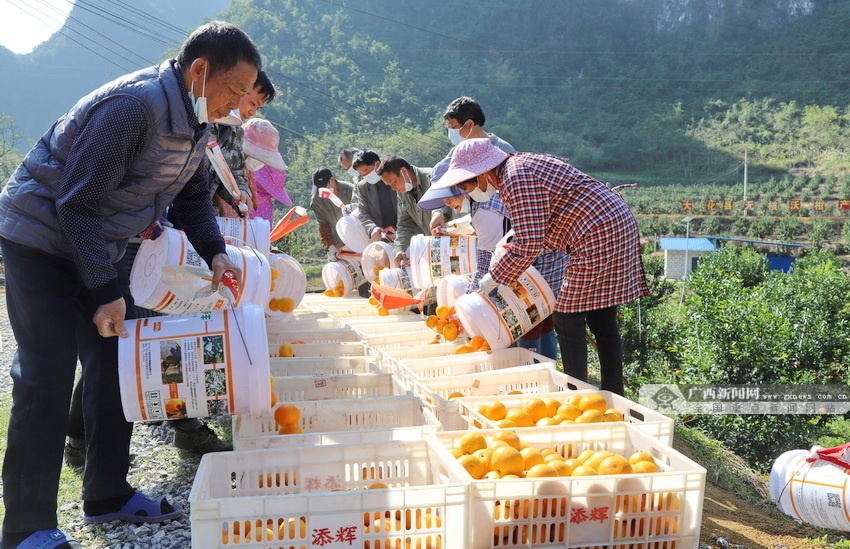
x=312, y=366
x=320, y=492
x=344, y=421
x=367, y=331
x=468, y=363
x=349, y=348
x=329, y=387
x=410, y=338
x=650, y=511
x=532, y=379
x=391, y=357
x=323, y=323
x=333, y=335
x=403, y=317
x=649, y=421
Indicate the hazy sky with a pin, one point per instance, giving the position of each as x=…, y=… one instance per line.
x=24, y=24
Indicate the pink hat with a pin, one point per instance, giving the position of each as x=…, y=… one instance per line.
x=470, y=158
x=261, y=142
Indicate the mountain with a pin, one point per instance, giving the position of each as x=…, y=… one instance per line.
x=101, y=40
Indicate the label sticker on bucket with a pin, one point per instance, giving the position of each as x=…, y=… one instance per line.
x=191, y=366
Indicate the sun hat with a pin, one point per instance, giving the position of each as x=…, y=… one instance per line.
x=433, y=198
x=470, y=158
x=261, y=142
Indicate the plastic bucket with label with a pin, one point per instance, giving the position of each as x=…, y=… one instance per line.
x=433, y=257
x=251, y=232
x=376, y=256
x=195, y=365
x=152, y=289
x=288, y=286
x=345, y=273
x=398, y=278
x=450, y=288
x=815, y=492
x=351, y=231
x=506, y=313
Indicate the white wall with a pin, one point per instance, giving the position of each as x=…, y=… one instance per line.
x=674, y=262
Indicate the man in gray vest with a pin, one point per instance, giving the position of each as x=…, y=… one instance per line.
x=104, y=172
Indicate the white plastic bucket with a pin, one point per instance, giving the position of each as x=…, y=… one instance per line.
x=288, y=280
x=243, y=231
x=450, y=288
x=504, y=315
x=376, y=256
x=151, y=290
x=346, y=270
x=815, y=493
x=398, y=278
x=195, y=365
x=351, y=231
x=433, y=257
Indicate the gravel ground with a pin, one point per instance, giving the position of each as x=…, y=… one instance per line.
x=158, y=469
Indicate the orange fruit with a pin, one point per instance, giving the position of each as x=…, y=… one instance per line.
x=455, y=394
x=506, y=424
x=455, y=452
x=592, y=462
x=590, y=416
x=477, y=342
x=431, y=321
x=330, y=293
x=520, y=417
x=450, y=331
x=552, y=406
x=473, y=466
x=602, y=454
x=287, y=530
x=285, y=304
x=593, y=401
x=464, y=349
x=561, y=467
x=582, y=471
x=442, y=312
x=485, y=347
x=275, y=273
x=382, y=311
x=488, y=453
x=547, y=421
x=470, y=442
x=285, y=351
x=507, y=461
x=287, y=414
x=496, y=410
x=541, y=470
x=377, y=486
x=536, y=408
x=569, y=410
x=440, y=325
x=641, y=456
x=290, y=429
x=274, y=397
x=509, y=437
x=645, y=467
x=612, y=414
x=585, y=455
x=614, y=465
x=273, y=303
x=531, y=457
x=374, y=302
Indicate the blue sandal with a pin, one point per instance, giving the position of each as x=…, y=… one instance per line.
x=140, y=508
x=49, y=539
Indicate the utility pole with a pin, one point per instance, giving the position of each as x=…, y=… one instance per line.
x=745, y=183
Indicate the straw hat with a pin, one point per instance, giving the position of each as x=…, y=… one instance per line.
x=433, y=198
x=470, y=158
x=261, y=142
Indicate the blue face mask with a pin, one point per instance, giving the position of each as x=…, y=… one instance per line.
x=454, y=136
x=372, y=178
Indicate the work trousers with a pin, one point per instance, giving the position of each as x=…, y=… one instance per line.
x=51, y=314
x=603, y=324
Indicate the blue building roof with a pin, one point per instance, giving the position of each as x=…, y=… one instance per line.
x=690, y=244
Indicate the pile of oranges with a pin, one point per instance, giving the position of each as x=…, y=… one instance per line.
x=338, y=291
x=505, y=456
x=282, y=304
x=574, y=408
x=445, y=322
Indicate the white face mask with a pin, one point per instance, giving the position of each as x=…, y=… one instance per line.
x=372, y=178
x=454, y=136
x=464, y=208
x=352, y=172
x=252, y=164
x=408, y=185
x=200, y=104
x=478, y=195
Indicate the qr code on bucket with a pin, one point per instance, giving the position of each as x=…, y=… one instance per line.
x=833, y=500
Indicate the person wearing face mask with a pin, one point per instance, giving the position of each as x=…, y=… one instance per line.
x=346, y=159
x=229, y=134
x=491, y=223
x=326, y=212
x=374, y=203
x=553, y=205
x=265, y=166
x=410, y=184
x=465, y=119
x=103, y=173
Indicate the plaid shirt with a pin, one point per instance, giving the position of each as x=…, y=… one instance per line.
x=553, y=205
